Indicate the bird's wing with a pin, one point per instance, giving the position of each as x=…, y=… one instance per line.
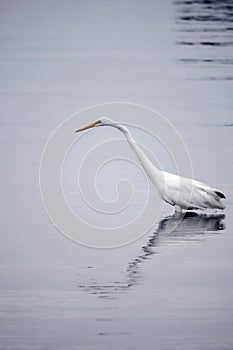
x=175, y=182
x=184, y=191
x=180, y=183
x=207, y=189
x=190, y=193
x=174, y=185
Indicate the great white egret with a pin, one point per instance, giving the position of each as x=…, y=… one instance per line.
x=179, y=191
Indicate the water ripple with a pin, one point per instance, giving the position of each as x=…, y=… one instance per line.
x=203, y=31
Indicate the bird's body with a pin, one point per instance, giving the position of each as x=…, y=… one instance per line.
x=181, y=192
x=190, y=194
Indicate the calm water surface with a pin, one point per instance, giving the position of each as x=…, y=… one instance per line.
x=165, y=291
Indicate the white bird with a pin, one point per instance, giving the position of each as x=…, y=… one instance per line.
x=179, y=191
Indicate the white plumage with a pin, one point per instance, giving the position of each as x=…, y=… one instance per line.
x=181, y=192
x=191, y=194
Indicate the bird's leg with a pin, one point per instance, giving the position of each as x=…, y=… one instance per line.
x=178, y=210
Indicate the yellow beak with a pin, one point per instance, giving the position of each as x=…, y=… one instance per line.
x=87, y=126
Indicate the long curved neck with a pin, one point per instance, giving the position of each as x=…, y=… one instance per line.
x=151, y=170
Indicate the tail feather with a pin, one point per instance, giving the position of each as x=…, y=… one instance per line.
x=220, y=194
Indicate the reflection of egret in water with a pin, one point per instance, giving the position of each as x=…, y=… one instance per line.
x=172, y=233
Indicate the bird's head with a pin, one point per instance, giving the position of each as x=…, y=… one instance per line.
x=100, y=122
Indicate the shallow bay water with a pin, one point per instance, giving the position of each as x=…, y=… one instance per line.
x=164, y=291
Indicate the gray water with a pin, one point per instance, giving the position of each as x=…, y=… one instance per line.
x=164, y=291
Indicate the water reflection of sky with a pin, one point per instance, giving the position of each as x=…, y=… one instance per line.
x=204, y=34
x=170, y=291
